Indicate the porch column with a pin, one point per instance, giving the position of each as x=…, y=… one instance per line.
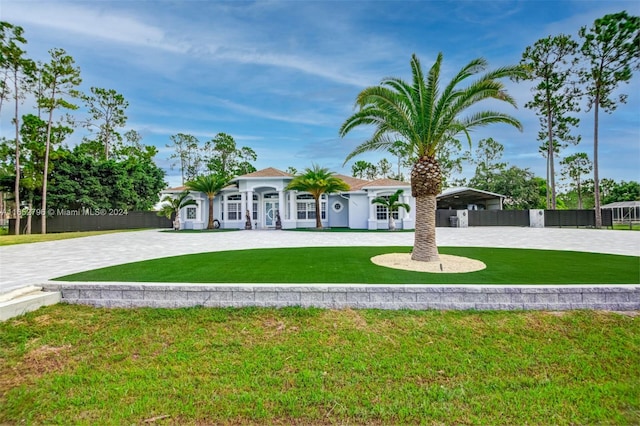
x=406, y=199
x=249, y=206
x=281, y=209
x=292, y=206
x=243, y=203
x=288, y=217
x=372, y=223
x=407, y=221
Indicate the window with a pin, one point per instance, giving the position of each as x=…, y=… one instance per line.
x=307, y=208
x=191, y=213
x=255, y=207
x=234, y=207
x=382, y=212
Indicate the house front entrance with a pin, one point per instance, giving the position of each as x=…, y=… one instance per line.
x=270, y=213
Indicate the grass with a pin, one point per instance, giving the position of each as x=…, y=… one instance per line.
x=353, y=265
x=626, y=226
x=72, y=364
x=8, y=240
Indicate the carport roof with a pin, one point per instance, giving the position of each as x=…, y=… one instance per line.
x=619, y=204
x=468, y=193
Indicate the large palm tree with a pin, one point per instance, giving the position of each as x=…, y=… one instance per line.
x=210, y=185
x=317, y=181
x=427, y=116
x=392, y=204
x=171, y=206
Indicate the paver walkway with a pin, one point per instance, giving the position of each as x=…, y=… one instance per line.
x=26, y=264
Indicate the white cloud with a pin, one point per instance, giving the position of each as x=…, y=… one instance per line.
x=93, y=22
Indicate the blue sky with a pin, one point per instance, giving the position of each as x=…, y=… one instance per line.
x=282, y=76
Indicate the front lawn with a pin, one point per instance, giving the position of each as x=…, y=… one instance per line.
x=69, y=364
x=353, y=265
x=8, y=240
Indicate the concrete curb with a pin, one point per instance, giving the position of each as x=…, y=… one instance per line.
x=27, y=302
x=447, y=297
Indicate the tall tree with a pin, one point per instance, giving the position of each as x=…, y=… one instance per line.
x=487, y=159
x=519, y=186
x=224, y=158
x=210, y=185
x=401, y=151
x=363, y=169
x=19, y=72
x=79, y=180
x=106, y=114
x=427, y=116
x=450, y=160
x=187, y=154
x=622, y=191
x=574, y=167
x=392, y=203
x=33, y=135
x=384, y=168
x=59, y=78
x=550, y=62
x=317, y=181
x=611, y=48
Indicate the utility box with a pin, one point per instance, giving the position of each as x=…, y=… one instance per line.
x=463, y=218
x=536, y=218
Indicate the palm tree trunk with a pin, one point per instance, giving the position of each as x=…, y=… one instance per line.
x=318, y=220
x=210, y=224
x=426, y=183
x=425, y=248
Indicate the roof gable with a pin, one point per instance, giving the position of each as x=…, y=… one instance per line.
x=265, y=173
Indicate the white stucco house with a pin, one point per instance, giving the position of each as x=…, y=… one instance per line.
x=263, y=195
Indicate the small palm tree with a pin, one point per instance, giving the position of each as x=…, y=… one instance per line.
x=426, y=117
x=210, y=185
x=317, y=181
x=172, y=206
x=392, y=204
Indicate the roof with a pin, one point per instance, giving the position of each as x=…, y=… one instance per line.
x=175, y=189
x=619, y=204
x=353, y=182
x=269, y=172
x=386, y=182
x=468, y=192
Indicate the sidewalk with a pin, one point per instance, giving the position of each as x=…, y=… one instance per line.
x=33, y=264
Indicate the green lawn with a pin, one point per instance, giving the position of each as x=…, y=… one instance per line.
x=68, y=364
x=7, y=240
x=353, y=265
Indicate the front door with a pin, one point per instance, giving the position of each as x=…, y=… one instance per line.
x=271, y=210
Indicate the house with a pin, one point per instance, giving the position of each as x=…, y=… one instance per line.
x=262, y=196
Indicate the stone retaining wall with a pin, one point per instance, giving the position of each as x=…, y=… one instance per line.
x=451, y=297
